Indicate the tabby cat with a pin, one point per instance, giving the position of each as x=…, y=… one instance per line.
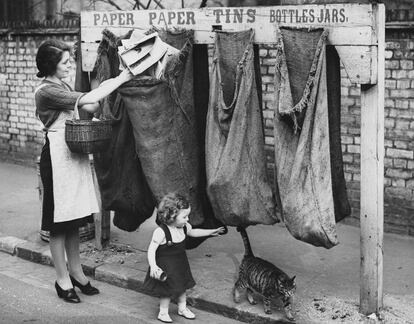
x=264, y=278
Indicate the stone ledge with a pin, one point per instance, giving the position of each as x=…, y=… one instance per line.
x=34, y=252
x=8, y=244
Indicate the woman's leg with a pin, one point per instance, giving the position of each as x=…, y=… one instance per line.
x=72, y=252
x=57, y=248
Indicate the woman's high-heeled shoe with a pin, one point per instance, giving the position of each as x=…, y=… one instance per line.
x=68, y=295
x=87, y=289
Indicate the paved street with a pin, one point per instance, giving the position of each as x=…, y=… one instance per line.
x=327, y=280
x=27, y=295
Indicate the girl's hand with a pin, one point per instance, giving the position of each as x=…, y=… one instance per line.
x=155, y=272
x=218, y=231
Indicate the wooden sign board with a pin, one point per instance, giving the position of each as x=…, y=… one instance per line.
x=347, y=24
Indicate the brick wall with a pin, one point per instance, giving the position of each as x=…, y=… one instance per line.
x=21, y=138
x=20, y=131
x=399, y=134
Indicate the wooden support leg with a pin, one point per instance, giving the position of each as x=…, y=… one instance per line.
x=101, y=219
x=372, y=182
x=102, y=229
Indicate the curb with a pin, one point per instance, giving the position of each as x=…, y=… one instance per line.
x=8, y=244
x=124, y=277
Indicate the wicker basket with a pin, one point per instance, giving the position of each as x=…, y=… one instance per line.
x=87, y=136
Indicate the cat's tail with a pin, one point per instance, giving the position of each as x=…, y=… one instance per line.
x=247, y=247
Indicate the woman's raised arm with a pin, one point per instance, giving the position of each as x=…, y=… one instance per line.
x=105, y=88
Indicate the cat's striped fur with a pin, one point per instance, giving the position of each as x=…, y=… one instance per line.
x=264, y=278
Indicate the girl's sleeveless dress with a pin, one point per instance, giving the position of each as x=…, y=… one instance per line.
x=172, y=259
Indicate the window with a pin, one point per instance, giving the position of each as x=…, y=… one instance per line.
x=14, y=10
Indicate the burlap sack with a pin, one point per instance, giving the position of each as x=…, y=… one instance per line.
x=235, y=159
x=164, y=126
x=301, y=132
x=122, y=183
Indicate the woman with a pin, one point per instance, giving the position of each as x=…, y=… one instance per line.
x=69, y=196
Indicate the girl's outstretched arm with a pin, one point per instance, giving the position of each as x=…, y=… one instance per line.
x=199, y=232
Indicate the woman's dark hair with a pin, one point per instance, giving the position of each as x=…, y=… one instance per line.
x=49, y=55
x=169, y=207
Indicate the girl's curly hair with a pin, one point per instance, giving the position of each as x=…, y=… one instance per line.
x=169, y=207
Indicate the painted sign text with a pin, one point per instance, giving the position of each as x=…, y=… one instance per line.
x=289, y=15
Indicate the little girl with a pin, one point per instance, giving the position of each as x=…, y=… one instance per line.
x=167, y=256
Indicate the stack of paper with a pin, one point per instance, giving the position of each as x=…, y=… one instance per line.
x=141, y=52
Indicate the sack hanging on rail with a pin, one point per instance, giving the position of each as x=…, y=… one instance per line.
x=235, y=159
x=122, y=182
x=123, y=185
x=301, y=133
x=163, y=119
x=342, y=206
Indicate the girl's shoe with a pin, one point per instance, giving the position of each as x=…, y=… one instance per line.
x=69, y=295
x=186, y=313
x=87, y=289
x=164, y=317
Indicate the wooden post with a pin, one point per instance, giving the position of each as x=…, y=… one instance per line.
x=101, y=219
x=102, y=228
x=372, y=179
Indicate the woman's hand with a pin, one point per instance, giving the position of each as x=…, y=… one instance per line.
x=105, y=88
x=218, y=231
x=155, y=272
x=91, y=108
x=125, y=75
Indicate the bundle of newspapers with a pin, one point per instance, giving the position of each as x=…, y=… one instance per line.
x=145, y=53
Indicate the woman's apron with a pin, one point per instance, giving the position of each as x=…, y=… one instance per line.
x=73, y=187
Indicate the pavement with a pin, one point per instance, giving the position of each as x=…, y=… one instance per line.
x=327, y=280
x=22, y=282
